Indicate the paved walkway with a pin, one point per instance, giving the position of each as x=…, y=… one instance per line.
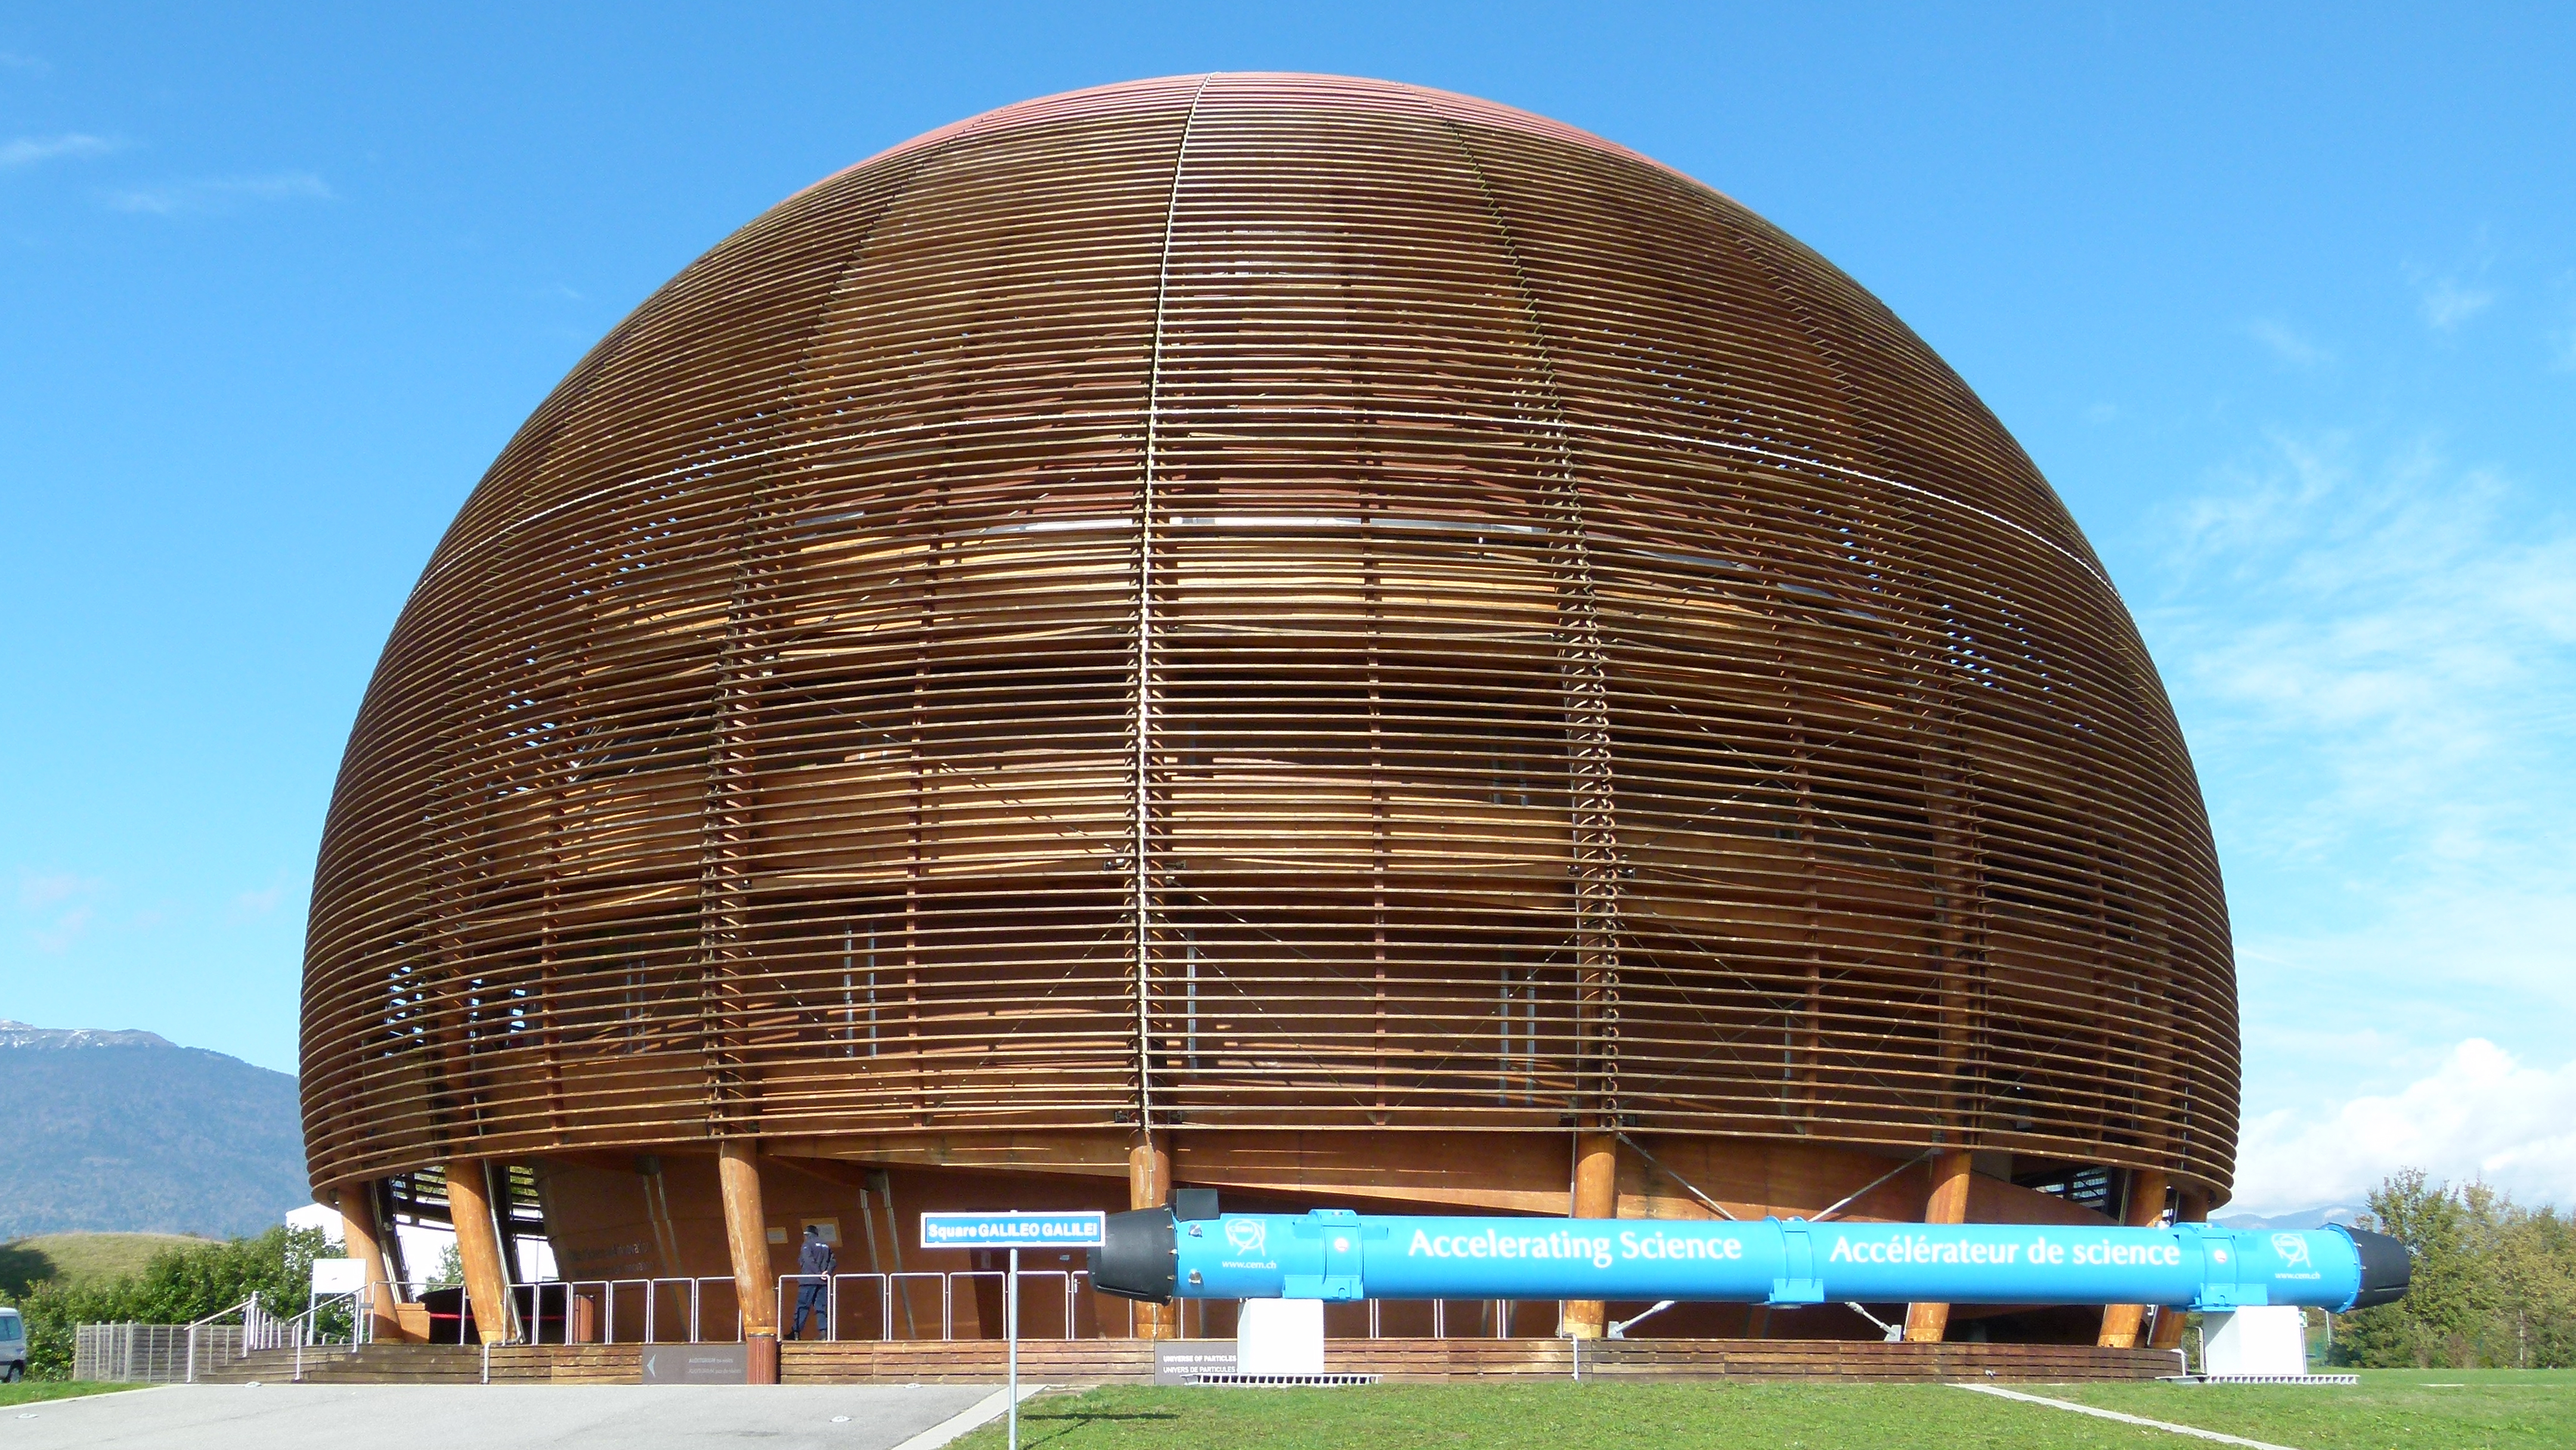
x=520, y=1417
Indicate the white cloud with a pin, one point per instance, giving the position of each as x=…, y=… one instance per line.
x=250, y=905
x=2480, y=1114
x=2288, y=343
x=2411, y=636
x=2376, y=664
x=35, y=893
x=2562, y=341
x=61, y=908
x=2447, y=303
x=56, y=939
x=30, y=150
x=218, y=193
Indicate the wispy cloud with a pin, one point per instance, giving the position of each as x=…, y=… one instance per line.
x=32, y=150
x=250, y=905
x=2480, y=1114
x=2288, y=343
x=2562, y=341
x=2411, y=625
x=2374, y=652
x=2447, y=303
x=57, y=938
x=218, y=193
x=61, y=908
x=35, y=893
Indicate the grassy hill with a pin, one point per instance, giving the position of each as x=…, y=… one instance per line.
x=80, y=1258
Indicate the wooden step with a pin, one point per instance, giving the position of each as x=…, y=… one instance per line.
x=373, y=1364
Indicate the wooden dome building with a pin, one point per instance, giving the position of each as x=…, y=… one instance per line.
x=1310, y=637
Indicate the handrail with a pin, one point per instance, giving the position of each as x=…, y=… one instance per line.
x=245, y=1308
x=250, y=1302
x=311, y=1320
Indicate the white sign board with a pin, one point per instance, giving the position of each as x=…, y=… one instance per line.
x=1069, y=1229
x=338, y=1276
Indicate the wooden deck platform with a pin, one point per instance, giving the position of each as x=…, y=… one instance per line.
x=1127, y=1361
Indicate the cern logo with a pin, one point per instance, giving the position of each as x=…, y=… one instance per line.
x=2293, y=1250
x=1248, y=1236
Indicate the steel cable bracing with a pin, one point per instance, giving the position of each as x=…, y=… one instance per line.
x=1266, y=603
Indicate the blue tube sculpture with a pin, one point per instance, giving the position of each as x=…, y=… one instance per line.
x=1336, y=1254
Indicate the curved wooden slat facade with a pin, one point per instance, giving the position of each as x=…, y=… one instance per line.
x=1254, y=604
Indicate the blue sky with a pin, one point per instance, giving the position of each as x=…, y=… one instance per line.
x=2283, y=302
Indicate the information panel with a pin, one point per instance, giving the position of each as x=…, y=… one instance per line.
x=1014, y=1229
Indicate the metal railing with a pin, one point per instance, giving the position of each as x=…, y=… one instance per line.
x=1068, y=1291
x=305, y=1331
x=251, y=1326
x=920, y=1304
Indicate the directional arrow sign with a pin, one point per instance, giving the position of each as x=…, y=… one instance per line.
x=1013, y=1229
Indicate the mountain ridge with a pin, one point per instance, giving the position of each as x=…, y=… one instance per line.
x=2302, y=1218
x=125, y=1131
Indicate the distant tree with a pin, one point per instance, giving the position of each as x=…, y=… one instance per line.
x=2494, y=1283
x=2435, y=1320
x=451, y=1268
x=2533, y=1325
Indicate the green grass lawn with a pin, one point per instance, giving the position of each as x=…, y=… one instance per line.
x=2392, y=1408
x=27, y=1392
x=2499, y=1409
x=80, y=1258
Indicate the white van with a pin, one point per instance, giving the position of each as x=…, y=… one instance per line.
x=13, y=1346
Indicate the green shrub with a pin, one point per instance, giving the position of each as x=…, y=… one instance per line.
x=178, y=1285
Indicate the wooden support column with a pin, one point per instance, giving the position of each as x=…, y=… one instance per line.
x=1596, y=1195
x=1948, y=1203
x=1149, y=1185
x=478, y=1247
x=2191, y=1206
x=365, y=1244
x=747, y=1234
x=2146, y=1208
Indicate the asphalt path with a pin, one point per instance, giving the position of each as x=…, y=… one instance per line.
x=500, y=1417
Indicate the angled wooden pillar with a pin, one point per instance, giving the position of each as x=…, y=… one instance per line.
x=1948, y=1203
x=1149, y=1185
x=2191, y=1206
x=478, y=1248
x=361, y=1232
x=2146, y=1209
x=747, y=1234
x=1596, y=1195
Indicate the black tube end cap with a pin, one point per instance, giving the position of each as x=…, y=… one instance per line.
x=2386, y=1268
x=1137, y=1256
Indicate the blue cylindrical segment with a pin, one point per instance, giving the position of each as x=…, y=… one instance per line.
x=1337, y=1254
